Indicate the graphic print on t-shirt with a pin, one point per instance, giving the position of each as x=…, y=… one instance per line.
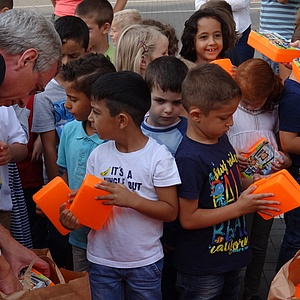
x=116, y=174
x=229, y=236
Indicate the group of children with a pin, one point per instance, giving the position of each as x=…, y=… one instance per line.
x=169, y=143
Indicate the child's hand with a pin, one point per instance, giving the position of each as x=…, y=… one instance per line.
x=67, y=218
x=248, y=203
x=281, y=163
x=39, y=212
x=5, y=153
x=119, y=194
x=243, y=161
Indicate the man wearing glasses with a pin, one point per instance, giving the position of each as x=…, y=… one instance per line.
x=30, y=50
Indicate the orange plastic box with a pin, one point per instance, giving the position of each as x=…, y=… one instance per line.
x=224, y=63
x=89, y=211
x=50, y=198
x=273, y=46
x=296, y=68
x=285, y=189
x=260, y=158
x=297, y=291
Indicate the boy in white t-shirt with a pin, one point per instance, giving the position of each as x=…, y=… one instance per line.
x=126, y=254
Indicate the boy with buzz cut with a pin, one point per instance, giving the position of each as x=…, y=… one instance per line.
x=164, y=123
x=125, y=256
x=212, y=245
x=78, y=138
x=98, y=16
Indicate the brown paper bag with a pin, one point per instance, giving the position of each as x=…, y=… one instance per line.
x=283, y=285
x=68, y=284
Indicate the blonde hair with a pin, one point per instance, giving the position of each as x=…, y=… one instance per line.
x=135, y=42
x=125, y=18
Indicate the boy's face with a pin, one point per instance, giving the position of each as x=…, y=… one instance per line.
x=96, y=33
x=209, y=128
x=104, y=124
x=165, y=107
x=208, y=40
x=114, y=33
x=77, y=103
x=71, y=50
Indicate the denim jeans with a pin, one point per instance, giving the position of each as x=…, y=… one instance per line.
x=291, y=240
x=223, y=286
x=130, y=284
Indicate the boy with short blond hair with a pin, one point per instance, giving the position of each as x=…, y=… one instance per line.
x=98, y=16
x=212, y=244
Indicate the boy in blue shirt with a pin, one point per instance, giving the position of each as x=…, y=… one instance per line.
x=125, y=256
x=165, y=124
x=212, y=244
x=78, y=138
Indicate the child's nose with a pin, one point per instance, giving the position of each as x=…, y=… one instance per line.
x=168, y=108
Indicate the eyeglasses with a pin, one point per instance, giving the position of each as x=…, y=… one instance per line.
x=39, y=88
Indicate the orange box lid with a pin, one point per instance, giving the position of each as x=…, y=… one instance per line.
x=297, y=291
x=50, y=197
x=260, y=158
x=285, y=189
x=296, y=68
x=89, y=211
x=224, y=63
x=273, y=46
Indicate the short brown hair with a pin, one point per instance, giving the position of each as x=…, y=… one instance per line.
x=208, y=86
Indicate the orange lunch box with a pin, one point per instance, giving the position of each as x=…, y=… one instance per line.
x=273, y=46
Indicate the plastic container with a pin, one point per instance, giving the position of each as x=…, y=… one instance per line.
x=260, y=158
x=296, y=68
x=273, y=46
x=224, y=63
x=89, y=211
x=285, y=189
x=50, y=198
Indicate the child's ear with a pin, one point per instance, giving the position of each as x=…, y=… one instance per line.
x=143, y=62
x=195, y=114
x=106, y=28
x=123, y=120
x=4, y=9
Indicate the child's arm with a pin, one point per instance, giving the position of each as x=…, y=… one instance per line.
x=192, y=217
x=290, y=142
x=15, y=152
x=120, y=4
x=37, y=149
x=164, y=209
x=50, y=153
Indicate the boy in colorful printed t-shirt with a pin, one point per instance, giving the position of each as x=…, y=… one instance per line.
x=212, y=244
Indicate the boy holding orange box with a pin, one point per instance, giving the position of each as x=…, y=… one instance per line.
x=125, y=256
x=78, y=138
